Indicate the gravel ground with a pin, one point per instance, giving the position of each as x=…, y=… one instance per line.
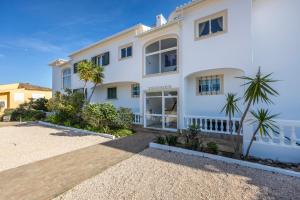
x=155, y=174
x=28, y=143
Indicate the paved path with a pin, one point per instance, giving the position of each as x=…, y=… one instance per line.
x=48, y=178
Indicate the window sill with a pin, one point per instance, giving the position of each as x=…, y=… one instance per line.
x=125, y=58
x=160, y=74
x=111, y=99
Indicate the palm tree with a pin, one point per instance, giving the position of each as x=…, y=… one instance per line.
x=85, y=72
x=265, y=122
x=258, y=90
x=96, y=78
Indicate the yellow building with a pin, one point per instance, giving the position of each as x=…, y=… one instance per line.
x=12, y=95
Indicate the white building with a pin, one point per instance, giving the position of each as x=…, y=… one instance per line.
x=181, y=69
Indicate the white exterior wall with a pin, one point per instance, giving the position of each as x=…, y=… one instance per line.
x=124, y=98
x=277, y=50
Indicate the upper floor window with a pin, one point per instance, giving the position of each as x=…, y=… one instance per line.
x=75, y=66
x=135, y=90
x=102, y=59
x=112, y=93
x=66, y=75
x=211, y=25
x=126, y=51
x=210, y=85
x=161, y=56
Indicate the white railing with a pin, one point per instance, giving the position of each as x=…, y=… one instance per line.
x=137, y=118
x=212, y=124
x=288, y=134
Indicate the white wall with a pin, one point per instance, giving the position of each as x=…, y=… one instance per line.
x=124, y=98
x=211, y=105
x=228, y=50
x=276, y=44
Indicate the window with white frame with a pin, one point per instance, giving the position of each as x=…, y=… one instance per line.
x=210, y=85
x=66, y=76
x=211, y=25
x=102, y=59
x=126, y=51
x=161, y=56
x=135, y=90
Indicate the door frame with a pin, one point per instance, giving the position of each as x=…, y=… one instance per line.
x=163, y=115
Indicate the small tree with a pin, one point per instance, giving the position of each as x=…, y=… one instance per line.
x=85, y=72
x=258, y=90
x=265, y=122
x=96, y=78
x=231, y=108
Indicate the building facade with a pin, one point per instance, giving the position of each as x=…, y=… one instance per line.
x=12, y=95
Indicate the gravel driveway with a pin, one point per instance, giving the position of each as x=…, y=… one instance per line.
x=155, y=174
x=28, y=143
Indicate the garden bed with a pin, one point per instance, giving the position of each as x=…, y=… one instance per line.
x=275, y=169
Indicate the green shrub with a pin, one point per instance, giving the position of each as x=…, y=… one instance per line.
x=194, y=130
x=212, y=147
x=124, y=118
x=100, y=116
x=171, y=140
x=67, y=107
x=160, y=140
x=27, y=115
x=39, y=104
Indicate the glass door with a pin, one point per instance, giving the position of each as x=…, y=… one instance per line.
x=161, y=110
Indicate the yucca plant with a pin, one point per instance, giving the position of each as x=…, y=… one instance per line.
x=96, y=78
x=265, y=123
x=231, y=108
x=258, y=90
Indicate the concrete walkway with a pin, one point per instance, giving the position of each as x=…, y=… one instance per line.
x=48, y=178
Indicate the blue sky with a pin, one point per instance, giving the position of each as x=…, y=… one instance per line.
x=35, y=32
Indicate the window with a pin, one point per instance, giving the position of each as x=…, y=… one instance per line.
x=161, y=56
x=135, y=90
x=210, y=85
x=212, y=25
x=112, y=93
x=19, y=96
x=37, y=96
x=66, y=79
x=126, y=51
x=75, y=66
x=101, y=60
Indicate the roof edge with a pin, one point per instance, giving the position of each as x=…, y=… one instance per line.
x=108, y=38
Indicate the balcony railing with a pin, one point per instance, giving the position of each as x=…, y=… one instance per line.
x=288, y=134
x=137, y=119
x=212, y=124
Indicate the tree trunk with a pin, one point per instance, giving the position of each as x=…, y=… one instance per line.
x=84, y=87
x=251, y=142
x=237, y=149
x=90, y=97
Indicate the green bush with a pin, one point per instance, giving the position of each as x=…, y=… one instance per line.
x=27, y=115
x=171, y=140
x=160, y=140
x=122, y=132
x=212, y=147
x=123, y=119
x=39, y=104
x=100, y=116
x=67, y=107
